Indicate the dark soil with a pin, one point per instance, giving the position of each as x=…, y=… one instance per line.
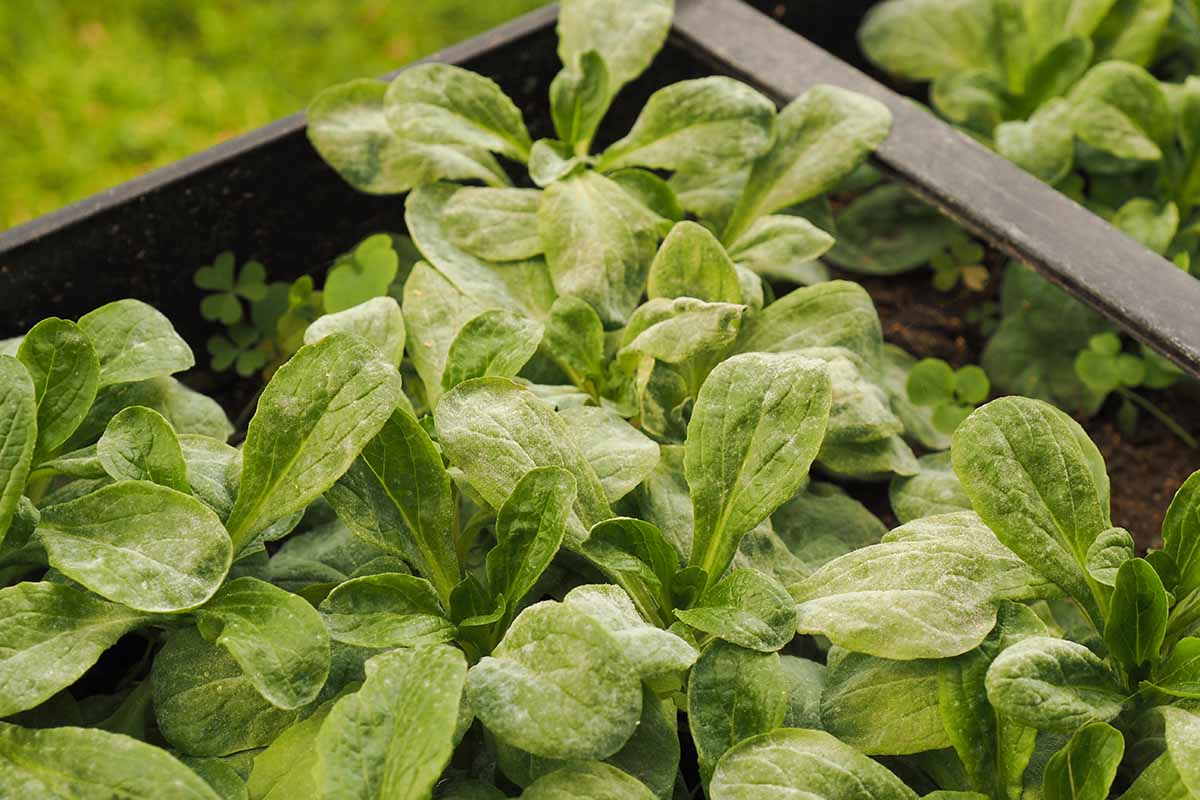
x=1145, y=468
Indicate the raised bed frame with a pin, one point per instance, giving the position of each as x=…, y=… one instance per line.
x=268, y=193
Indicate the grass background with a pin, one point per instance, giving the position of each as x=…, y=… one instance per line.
x=94, y=93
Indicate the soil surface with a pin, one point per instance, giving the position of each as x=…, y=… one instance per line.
x=1145, y=469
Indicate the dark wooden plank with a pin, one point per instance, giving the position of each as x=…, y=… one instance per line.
x=1145, y=294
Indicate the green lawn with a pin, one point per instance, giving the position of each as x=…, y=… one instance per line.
x=92, y=94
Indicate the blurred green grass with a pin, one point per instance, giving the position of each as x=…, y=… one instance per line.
x=94, y=93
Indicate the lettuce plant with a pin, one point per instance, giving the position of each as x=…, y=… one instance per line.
x=1040, y=655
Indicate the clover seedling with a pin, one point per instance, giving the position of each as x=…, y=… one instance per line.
x=952, y=394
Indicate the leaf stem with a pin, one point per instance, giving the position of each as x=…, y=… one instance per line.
x=1162, y=416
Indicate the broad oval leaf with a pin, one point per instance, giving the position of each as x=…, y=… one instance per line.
x=1179, y=675
x=284, y=770
x=599, y=243
x=133, y=342
x=747, y=608
x=277, y=638
x=394, y=736
x=593, y=780
x=140, y=544
x=386, y=610
x=494, y=224
x=1085, y=768
x=934, y=490
x=1054, y=685
x=926, y=39
x=783, y=247
x=626, y=33
x=457, y=106
x=91, y=764
x=530, y=527
x=1137, y=617
x=348, y=127
x=929, y=590
x=756, y=428
x=822, y=136
x=1180, y=532
x=579, y=97
x=205, y=705
x=557, y=686
x=653, y=652
x=789, y=763
x=620, y=455
x=18, y=436
x=139, y=445
x=377, y=320
x=733, y=694
x=706, y=121
x=692, y=263
x=66, y=376
x=833, y=314
x=1039, y=483
x=495, y=431
x=1107, y=553
x=495, y=343
x=1183, y=744
x=318, y=411
x=397, y=496
x=50, y=634
x=883, y=707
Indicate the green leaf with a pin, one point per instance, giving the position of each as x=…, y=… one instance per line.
x=620, y=455
x=822, y=522
x=284, y=769
x=313, y=418
x=626, y=33
x=783, y=247
x=361, y=275
x=18, y=436
x=276, y=637
x=551, y=160
x=930, y=382
x=704, y=121
x=634, y=555
x=495, y=431
x=1137, y=620
x=918, y=420
x=496, y=343
x=929, y=590
x=348, y=127
x=1151, y=223
x=927, y=39
x=574, y=340
x=1183, y=745
x=394, y=736
x=821, y=138
x=692, y=263
x=1053, y=685
x=883, y=707
x=50, y=634
x=651, y=191
x=557, y=686
x=806, y=681
x=934, y=490
x=397, y=496
x=872, y=460
x=377, y=320
x=1179, y=675
x=136, y=543
x=833, y=314
x=1181, y=534
x=1119, y=109
x=1043, y=145
x=457, y=106
x=679, y=330
x=653, y=652
x=888, y=230
x=1039, y=482
x=205, y=705
x=733, y=694
x=386, y=610
x=1131, y=32
x=593, y=780
x=1086, y=767
x=789, y=763
x=139, y=445
x=579, y=97
x=495, y=224
x=66, y=375
x=220, y=776
x=134, y=342
x=530, y=527
x=89, y=764
x=746, y=608
x=756, y=428
x=971, y=385
x=599, y=243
